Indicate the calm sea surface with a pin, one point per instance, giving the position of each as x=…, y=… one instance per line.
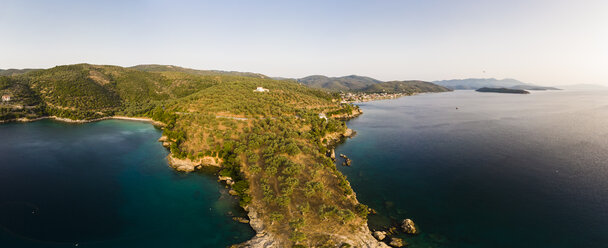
x=105, y=184
x=486, y=169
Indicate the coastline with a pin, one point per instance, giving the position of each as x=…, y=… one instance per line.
x=361, y=237
x=116, y=117
x=369, y=97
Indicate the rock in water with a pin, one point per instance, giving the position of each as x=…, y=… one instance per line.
x=379, y=235
x=396, y=242
x=241, y=219
x=408, y=226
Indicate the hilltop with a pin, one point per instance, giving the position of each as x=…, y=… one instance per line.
x=12, y=72
x=476, y=83
x=269, y=147
x=169, y=68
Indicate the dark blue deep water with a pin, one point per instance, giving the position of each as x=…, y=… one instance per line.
x=502, y=170
x=105, y=184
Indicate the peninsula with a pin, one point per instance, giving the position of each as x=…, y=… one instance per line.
x=268, y=137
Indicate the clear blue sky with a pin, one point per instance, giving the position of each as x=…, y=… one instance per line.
x=547, y=42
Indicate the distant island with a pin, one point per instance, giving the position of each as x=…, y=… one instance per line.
x=502, y=90
x=476, y=83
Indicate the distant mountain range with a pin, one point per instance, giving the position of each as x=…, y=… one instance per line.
x=476, y=83
x=354, y=83
x=584, y=87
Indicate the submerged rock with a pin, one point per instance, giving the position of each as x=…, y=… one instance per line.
x=332, y=154
x=379, y=235
x=409, y=227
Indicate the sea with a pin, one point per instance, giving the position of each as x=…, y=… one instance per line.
x=106, y=184
x=478, y=169
x=470, y=169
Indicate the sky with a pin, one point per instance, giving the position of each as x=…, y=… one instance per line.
x=546, y=42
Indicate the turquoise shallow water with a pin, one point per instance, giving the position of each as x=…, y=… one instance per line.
x=502, y=170
x=105, y=184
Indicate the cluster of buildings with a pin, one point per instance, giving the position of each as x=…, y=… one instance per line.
x=366, y=97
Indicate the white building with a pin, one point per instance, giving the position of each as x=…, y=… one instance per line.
x=6, y=98
x=261, y=89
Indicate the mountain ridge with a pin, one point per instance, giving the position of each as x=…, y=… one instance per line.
x=476, y=83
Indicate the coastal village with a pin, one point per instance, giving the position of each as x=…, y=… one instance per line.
x=366, y=97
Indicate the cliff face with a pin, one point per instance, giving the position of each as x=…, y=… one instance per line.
x=359, y=237
x=345, y=116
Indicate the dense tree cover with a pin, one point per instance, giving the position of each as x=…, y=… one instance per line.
x=272, y=144
x=25, y=103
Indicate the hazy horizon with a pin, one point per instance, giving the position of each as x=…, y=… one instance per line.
x=541, y=42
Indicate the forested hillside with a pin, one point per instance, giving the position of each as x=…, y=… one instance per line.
x=272, y=145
